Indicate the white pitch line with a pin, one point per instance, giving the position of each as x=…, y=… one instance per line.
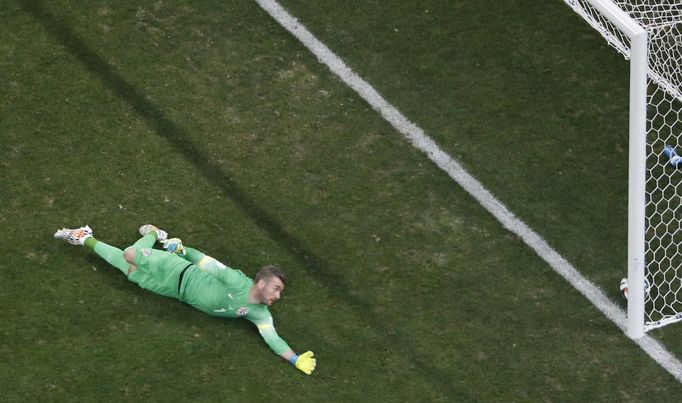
x=453, y=168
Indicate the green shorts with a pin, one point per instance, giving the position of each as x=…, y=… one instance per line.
x=158, y=271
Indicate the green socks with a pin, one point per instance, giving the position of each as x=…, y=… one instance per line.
x=90, y=242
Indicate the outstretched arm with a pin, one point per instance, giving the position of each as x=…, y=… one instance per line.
x=305, y=362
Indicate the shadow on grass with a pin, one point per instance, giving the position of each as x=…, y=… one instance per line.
x=179, y=139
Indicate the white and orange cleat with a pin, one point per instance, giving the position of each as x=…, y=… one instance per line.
x=76, y=236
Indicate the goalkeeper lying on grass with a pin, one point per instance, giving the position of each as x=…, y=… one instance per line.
x=199, y=280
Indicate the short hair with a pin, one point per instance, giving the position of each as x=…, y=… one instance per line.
x=270, y=271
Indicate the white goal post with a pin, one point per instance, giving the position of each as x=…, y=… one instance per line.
x=649, y=34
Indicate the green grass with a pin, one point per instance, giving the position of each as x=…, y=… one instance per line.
x=210, y=121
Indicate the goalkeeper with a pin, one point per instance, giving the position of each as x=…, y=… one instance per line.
x=199, y=280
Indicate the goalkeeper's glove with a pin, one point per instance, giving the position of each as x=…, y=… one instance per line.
x=174, y=245
x=305, y=362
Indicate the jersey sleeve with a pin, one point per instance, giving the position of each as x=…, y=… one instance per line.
x=212, y=266
x=267, y=331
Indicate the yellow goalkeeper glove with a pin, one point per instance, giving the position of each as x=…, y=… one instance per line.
x=174, y=245
x=305, y=362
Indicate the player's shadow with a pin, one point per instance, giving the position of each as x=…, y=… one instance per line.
x=179, y=139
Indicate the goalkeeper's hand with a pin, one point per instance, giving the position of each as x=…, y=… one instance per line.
x=174, y=245
x=305, y=362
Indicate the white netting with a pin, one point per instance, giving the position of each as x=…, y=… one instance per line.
x=663, y=208
x=662, y=19
x=600, y=23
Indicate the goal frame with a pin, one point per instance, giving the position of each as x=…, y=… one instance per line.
x=638, y=55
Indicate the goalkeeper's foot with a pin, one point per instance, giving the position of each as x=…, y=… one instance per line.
x=161, y=235
x=76, y=236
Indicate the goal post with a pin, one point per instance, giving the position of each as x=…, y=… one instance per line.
x=637, y=182
x=649, y=34
x=625, y=34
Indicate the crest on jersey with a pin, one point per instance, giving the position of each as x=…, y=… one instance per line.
x=243, y=311
x=146, y=252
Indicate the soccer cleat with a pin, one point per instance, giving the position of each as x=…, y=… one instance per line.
x=76, y=236
x=147, y=228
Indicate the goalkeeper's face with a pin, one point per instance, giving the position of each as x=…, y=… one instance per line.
x=269, y=290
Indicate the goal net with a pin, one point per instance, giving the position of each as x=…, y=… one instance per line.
x=662, y=21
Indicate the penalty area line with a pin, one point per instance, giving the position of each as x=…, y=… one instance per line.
x=471, y=185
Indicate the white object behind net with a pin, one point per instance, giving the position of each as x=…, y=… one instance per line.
x=662, y=19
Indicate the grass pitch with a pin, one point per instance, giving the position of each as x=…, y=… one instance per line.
x=209, y=120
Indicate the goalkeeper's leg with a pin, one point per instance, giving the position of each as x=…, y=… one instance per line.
x=116, y=256
x=156, y=270
x=151, y=269
x=83, y=236
x=112, y=254
x=146, y=241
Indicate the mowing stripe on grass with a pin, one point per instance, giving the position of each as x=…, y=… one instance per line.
x=448, y=164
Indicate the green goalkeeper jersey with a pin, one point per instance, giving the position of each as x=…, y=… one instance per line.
x=213, y=288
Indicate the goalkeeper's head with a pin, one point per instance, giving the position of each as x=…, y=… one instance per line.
x=269, y=284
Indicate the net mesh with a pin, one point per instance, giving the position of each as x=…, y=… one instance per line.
x=662, y=19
